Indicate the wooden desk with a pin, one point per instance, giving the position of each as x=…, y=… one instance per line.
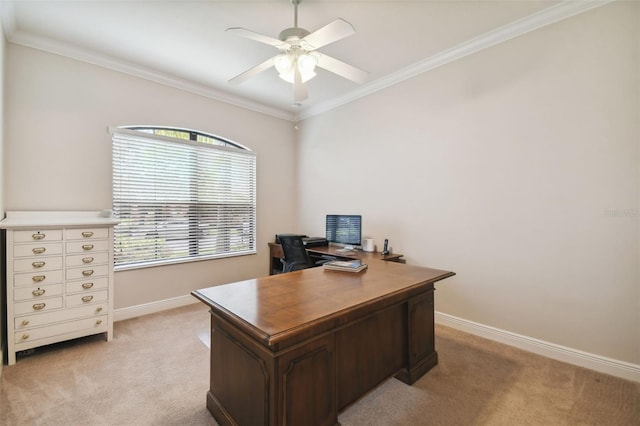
x=276, y=253
x=297, y=348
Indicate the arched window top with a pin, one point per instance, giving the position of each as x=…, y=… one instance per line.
x=187, y=134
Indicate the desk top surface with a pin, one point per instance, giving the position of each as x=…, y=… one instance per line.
x=272, y=308
x=354, y=254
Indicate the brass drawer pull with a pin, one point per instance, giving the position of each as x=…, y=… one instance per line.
x=25, y=322
x=38, y=292
x=38, y=264
x=87, y=247
x=98, y=322
x=99, y=309
x=87, y=273
x=87, y=234
x=87, y=299
x=39, y=306
x=38, y=250
x=25, y=336
x=87, y=259
x=38, y=236
x=38, y=278
x=87, y=286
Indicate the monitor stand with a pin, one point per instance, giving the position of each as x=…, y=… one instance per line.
x=346, y=249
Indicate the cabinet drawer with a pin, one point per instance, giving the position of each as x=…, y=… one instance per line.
x=34, y=293
x=87, y=246
x=85, y=298
x=37, y=264
x=43, y=305
x=87, y=285
x=30, y=321
x=87, y=272
x=97, y=323
x=37, y=235
x=85, y=233
x=40, y=278
x=87, y=259
x=38, y=249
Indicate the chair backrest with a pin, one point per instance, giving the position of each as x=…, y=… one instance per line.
x=295, y=255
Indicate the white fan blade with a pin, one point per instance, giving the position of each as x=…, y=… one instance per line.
x=331, y=32
x=299, y=89
x=243, y=32
x=341, y=68
x=252, y=71
x=328, y=34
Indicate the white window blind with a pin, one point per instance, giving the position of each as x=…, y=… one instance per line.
x=180, y=200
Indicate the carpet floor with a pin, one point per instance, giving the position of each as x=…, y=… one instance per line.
x=155, y=371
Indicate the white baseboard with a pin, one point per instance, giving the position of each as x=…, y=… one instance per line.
x=599, y=363
x=153, y=307
x=622, y=369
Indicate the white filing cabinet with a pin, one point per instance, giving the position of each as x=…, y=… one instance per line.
x=59, y=277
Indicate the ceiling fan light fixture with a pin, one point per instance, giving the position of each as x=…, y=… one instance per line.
x=290, y=77
x=299, y=54
x=285, y=65
x=307, y=63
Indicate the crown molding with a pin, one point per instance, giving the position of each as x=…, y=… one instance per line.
x=535, y=21
x=84, y=55
x=548, y=16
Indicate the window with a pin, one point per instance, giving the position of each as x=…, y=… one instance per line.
x=181, y=195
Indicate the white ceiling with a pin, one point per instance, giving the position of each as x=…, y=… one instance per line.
x=184, y=43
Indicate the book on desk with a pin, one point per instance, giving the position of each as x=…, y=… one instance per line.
x=345, y=265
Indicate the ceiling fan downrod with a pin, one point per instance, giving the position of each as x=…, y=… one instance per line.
x=295, y=12
x=294, y=34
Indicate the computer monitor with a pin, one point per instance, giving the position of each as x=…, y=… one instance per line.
x=344, y=229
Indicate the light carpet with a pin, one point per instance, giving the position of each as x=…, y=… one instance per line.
x=156, y=372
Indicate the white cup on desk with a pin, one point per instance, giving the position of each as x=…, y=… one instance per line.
x=368, y=245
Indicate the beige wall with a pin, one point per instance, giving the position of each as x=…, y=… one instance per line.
x=2, y=172
x=59, y=156
x=517, y=168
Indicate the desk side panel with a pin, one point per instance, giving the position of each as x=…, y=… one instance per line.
x=307, y=380
x=421, y=349
x=252, y=385
x=239, y=379
x=369, y=351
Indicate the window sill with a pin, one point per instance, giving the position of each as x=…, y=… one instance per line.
x=170, y=262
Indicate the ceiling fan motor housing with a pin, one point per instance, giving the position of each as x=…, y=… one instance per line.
x=293, y=34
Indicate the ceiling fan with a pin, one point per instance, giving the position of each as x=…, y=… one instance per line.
x=299, y=56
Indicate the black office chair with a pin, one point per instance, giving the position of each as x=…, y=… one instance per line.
x=295, y=255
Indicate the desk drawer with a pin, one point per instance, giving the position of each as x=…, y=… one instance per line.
x=35, y=293
x=87, y=246
x=86, y=298
x=37, y=249
x=87, y=285
x=96, y=323
x=33, y=306
x=87, y=272
x=39, y=278
x=85, y=233
x=30, y=321
x=87, y=259
x=37, y=235
x=37, y=264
